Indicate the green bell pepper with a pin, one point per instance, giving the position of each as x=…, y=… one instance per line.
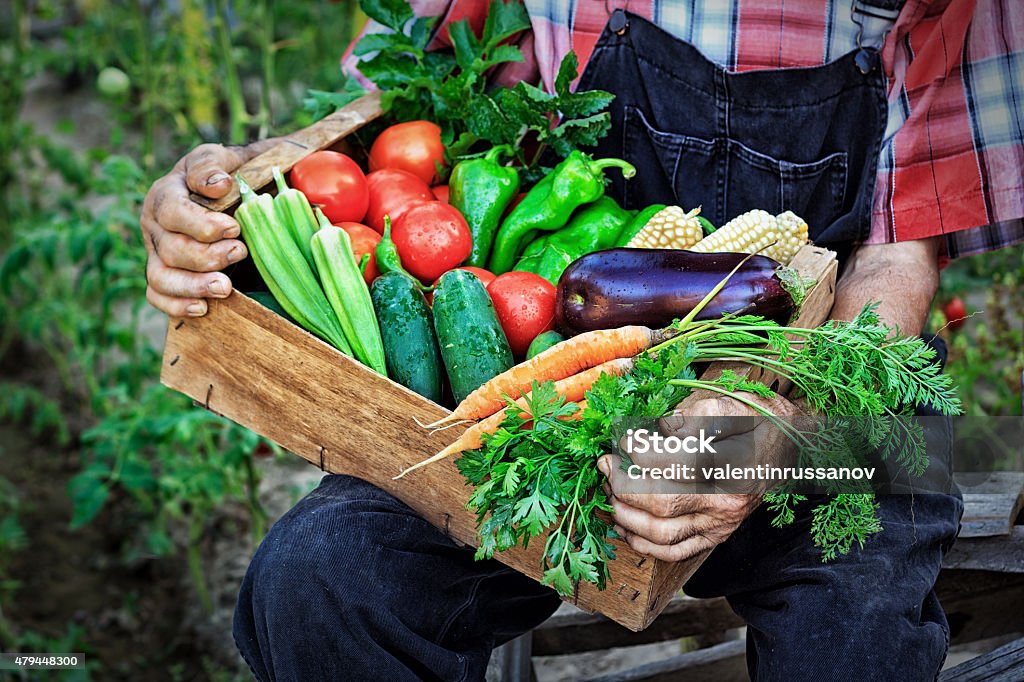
x=592, y=227
x=481, y=189
x=548, y=206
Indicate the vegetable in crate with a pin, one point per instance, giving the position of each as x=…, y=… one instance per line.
x=347, y=293
x=757, y=231
x=638, y=222
x=542, y=342
x=481, y=189
x=548, y=206
x=390, y=192
x=431, y=239
x=407, y=330
x=572, y=357
x=670, y=228
x=413, y=146
x=385, y=254
x=284, y=269
x=525, y=304
x=592, y=227
x=473, y=346
x=485, y=276
x=652, y=287
x=295, y=213
x=364, y=242
x=335, y=182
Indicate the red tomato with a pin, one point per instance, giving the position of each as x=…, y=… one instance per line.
x=414, y=146
x=441, y=192
x=955, y=312
x=392, y=191
x=432, y=238
x=335, y=182
x=485, y=276
x=525, y=304
x=364, y=240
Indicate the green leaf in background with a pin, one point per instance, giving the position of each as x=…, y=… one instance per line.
x=319, y=103
x=89, y=491
x=464, y=41
x=373, y=42
x=394, y=14
x=503, y=21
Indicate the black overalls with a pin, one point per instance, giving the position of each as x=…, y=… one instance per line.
x=805, y=140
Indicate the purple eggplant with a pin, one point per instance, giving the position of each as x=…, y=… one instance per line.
x=652, y=287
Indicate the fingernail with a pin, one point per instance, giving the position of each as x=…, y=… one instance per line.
x=602, y=464
x=218, y=287
x=216, y=177
x=231, y=232
x=236, y=254
x=196, y=309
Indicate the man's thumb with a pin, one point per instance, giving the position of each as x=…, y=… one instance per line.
x=206, y=172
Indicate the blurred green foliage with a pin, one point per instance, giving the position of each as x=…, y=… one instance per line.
x=986, y=350
x=169, y=75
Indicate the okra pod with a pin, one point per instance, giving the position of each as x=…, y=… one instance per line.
x=295, y=213
x=347, y=292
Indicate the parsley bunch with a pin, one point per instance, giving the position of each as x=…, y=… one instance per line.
x=860, y=377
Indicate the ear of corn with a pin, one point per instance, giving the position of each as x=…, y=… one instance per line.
x=669, y=228
x=778, y=237
x=347, y=292
x=295, y=213
x=284, y=269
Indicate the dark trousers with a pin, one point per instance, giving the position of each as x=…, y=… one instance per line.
x=352, y=585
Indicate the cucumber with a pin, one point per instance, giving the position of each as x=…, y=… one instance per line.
x=542, y=342
x=407, y=331
x=472, y=343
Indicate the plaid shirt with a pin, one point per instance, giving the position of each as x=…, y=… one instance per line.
x=953, y=151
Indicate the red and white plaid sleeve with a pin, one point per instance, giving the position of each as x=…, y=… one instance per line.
x=952, y=159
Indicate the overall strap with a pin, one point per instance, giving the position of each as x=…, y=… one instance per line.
x=873, y=18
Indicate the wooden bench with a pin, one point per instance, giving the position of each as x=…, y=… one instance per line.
x=981, y=588
x=1005, y=664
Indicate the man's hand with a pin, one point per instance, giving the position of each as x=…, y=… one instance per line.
x=676, y=526
x=188, y=244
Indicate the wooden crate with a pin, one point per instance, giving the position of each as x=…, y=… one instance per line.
x=249, y=364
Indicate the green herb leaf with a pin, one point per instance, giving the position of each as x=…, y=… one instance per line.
x=503, y=21
x=394, y=14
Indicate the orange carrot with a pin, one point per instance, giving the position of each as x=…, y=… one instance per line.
x=562, y=360
x=473, y=437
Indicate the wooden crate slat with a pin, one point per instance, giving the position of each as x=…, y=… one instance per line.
x=298, y=145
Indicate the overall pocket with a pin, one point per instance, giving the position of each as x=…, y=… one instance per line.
x=726, y=178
